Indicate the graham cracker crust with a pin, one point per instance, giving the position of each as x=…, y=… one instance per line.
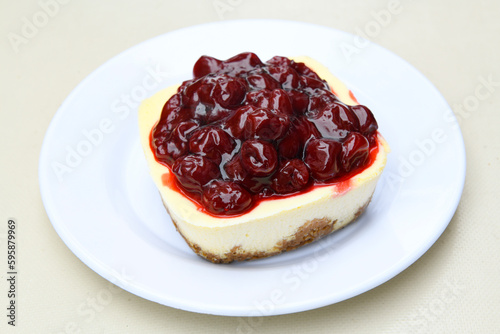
x=310, y=231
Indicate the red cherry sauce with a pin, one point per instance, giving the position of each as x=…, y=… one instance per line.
x=242, y=131
x=351, y=95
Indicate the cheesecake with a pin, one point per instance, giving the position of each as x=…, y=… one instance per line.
x=253, y=159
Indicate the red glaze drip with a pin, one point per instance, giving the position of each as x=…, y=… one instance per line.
x=168, y=180
x=343, y=187
x=351, y=95
x=242, y=132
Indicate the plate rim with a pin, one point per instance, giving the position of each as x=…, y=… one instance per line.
x=122, y=282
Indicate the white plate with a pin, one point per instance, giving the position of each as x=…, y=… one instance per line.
x=99, y=197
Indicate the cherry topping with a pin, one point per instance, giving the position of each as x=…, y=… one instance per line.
x=267, y=125
x=211, y=142
x=259, y=157
x=286, y=76
x=194, y=171
x=280, y=61
x=355, y=151
x=289, y=146
x=262, y=81
x=174, y=102
x=323, y=158
x=236, y=123
x=320, y=98
x=335, y=121
x=234, y=169
x=225, y=198
x=306, y=81
x=305, y=129
x=199, y=91
x=173, y=145
x=229, y=92
x=299, y=100
x=242, y=130
x=242, y=63
x=367, y=122
x=258, y=98
x=216, y=114
x=178, y=142
x=206, y=65
x=292, y=176
x=172, y=114
x=279, y=101
x=303, y=70
x=170, y=150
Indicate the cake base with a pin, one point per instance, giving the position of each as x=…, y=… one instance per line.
x=310, y=231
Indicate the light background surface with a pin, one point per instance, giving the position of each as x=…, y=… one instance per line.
x=453, y=288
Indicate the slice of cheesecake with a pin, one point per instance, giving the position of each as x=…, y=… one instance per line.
x=248, y=168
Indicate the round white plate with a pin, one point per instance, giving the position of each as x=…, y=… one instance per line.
x=98, y=194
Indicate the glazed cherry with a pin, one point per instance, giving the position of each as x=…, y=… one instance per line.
x=242, y=130
x=259, y=157
x=214, y=89
x=236, y=123
x=257, y=185
x=174, y=102
x=225, y=198
x=299, y=100
x=234, y=169
x=303, y=70
x=367, y=122
x=172, y=114
x=184, y=130
x=335, y=121
x=206, y=65
x=280, y=61
x=173, y=145
x=306, y=81
x=262, y=81
x=276, y=99
x=292, y=176
x=265, y=124
x=212, y=142
x=320, y=98
x=322, y=156
x=242, y=63
x=200, y=91
x=194, y=171
x=279, y=102
x=290, y=145
x=216, y=114
x=229, y=93
x=177, y=144
x=258, y=98
x=305, y=129
x=168, y=151
x=286, y=76
x=355, y=151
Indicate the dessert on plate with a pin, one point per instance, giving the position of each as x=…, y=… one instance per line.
x=256, y=158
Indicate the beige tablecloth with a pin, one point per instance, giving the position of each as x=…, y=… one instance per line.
x=49, y=46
